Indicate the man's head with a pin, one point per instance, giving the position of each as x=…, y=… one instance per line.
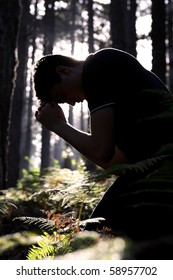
x=53, y=77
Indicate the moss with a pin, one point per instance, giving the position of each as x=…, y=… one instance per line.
x=13, y=245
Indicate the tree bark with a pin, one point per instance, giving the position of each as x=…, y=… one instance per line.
x=15, y=131
x=49, y=34
x=123, y=25
x=158, y=37
x=9, y=28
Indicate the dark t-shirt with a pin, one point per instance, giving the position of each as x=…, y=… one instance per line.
x=143, y=106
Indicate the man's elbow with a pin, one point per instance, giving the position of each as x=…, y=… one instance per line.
x=104, y=156
x=118, y=157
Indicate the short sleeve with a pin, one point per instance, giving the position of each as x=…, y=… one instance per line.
x=97, y=85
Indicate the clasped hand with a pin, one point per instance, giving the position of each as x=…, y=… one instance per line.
x=49, y=115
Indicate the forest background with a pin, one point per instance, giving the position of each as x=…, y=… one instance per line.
x=32, y=28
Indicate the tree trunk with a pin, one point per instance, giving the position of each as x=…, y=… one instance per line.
x=117, y=23
x=90, y=165
x=123, y=25
x=158, y=39
x=130, y=27
x=18, y=101
x=170, y=43
x=49, y=27
x=27, y=131
x=90, y=26
x=9, y=20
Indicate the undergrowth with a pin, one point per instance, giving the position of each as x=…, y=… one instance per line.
x=57, y=205
x=64, y=200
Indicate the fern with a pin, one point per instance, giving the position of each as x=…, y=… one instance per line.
x=56, y=243
x=41, y=222
x=5, y=206
x=138, y=168
x=92, y=220
x=43, y=249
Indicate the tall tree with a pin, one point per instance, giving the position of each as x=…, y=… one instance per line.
x=18, y=99
x=130, y=27
x=158, y=37
x=49, y=35
x=123, y=25
x=90, y=26
x=170, y=42
x=68, y=149
x=89, y=164
x=9, y=19
x=26, y=140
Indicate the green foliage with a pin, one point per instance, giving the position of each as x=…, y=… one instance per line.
x=67, y=200
x=64, y=199
x=49, y=245
x=58, y=240
x=30, y=179
x=63, y=189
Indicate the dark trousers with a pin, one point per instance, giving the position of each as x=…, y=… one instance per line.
x=139, y=205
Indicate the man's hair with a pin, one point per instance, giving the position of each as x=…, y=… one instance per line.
x=45, y=75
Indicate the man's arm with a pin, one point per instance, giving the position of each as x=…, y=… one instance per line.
x=98, y=146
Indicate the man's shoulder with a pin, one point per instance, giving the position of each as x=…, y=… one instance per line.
x=112, y=52
x=112, y=57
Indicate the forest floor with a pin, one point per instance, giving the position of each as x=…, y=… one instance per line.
x=44, y=217
x=48, y=209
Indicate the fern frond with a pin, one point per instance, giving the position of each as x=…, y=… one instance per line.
x=166, y=150
x=92, y=220
x=41, y=222
x=122, y=169
x=45, y=193
x=5, y=205
x=43, y=250
x=49, y=245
